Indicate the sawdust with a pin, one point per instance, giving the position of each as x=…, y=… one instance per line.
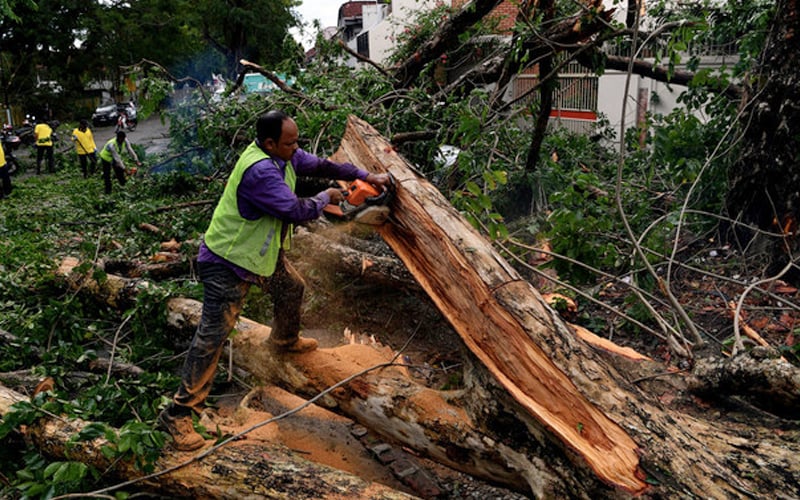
x=315, y=433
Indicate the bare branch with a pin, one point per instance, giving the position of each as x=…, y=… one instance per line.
x=363, y=59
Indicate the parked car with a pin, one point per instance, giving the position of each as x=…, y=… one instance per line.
x=107, y=114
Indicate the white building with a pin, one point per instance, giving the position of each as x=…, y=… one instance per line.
x=370, y=28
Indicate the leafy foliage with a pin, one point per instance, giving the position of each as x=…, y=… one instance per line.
x=574, y=199
x=61, y=332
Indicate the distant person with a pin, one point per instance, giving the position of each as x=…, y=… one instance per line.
x=5, y=175
x=43, y=135
x=85, y=147
x=111, y=156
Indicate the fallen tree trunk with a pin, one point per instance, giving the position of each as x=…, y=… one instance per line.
x=497, y=314
x=385, y=400
x=569, y=408
x=388, y=401
x=240, y=469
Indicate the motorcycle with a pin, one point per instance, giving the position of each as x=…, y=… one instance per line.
x=24, y=131
x=10, y=143
x=125, y=123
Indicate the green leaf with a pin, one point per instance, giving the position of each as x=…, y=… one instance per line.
x=51, y=469
x=91, y=431
x=70, y=472
x=473, y=188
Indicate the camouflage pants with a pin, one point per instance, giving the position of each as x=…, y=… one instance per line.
x=223, y=298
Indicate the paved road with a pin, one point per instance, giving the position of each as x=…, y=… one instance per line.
x=150, y=134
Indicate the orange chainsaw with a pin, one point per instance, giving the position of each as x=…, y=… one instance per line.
x=363, y=203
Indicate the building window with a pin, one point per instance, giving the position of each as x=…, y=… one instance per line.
x=362, y=44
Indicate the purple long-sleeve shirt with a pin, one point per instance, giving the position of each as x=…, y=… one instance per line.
x=263, y=191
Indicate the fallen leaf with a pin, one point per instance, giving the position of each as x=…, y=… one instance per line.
x=45, y=385
x=165, y=257
x=144, y=226
x=170, y=246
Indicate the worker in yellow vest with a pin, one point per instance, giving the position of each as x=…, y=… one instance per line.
x=244, y=245
x=43, y=135
x=85, y=147
x=111, y=156
x=5, y=175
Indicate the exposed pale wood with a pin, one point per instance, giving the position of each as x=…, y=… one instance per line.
x=606, y=344
x=240, y=469
x=387, y=401
x=473, y=286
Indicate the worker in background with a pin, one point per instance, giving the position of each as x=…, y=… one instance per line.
x=117, y=148
x=85, y=147
x=5, y=175
x=43, y=135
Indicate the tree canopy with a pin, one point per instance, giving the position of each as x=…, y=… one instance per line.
x=74, y=45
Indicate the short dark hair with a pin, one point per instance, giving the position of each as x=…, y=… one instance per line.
x=270, y=125
x=121, y=136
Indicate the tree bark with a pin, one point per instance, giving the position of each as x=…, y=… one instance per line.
x=342, y=256
x=763, y=182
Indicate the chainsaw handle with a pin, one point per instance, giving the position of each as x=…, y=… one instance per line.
x=336, y=195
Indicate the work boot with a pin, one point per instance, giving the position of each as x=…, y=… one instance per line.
x=184, y=437
x=295, y=346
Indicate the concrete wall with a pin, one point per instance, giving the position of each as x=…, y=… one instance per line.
x=382, y=35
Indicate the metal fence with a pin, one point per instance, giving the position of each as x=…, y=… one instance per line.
x=576, y=91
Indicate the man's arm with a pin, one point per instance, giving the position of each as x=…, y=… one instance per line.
x=131, y=151
x=307, y=164
x=263, y=190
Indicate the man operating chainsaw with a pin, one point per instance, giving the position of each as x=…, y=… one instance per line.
x=243, y=246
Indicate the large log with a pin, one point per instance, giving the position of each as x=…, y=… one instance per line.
x=570, y=409
x=239, y=469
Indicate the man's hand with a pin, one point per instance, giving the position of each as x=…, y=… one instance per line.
x=379, y=179
x=335, y=195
